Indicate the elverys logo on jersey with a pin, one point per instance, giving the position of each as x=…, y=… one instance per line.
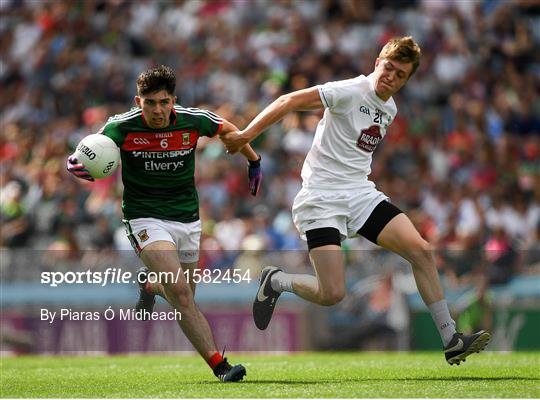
x=160, y=141
x=369, y=138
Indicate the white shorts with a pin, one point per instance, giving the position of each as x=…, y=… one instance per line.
x=185, y=236
x=345, y=210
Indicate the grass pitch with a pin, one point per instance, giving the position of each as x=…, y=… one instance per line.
x=304, y=375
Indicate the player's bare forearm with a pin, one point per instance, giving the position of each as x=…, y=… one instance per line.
x=248, y=152
x=229, y=136
x=234, y=141
x=306, y=99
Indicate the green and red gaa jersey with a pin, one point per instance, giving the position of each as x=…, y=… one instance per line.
x=158, y=165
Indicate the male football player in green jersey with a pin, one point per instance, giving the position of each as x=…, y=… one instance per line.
x=157, y=142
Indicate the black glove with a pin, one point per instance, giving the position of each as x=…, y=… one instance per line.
x=254, y=176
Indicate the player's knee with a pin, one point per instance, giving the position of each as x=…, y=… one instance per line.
x=180, y=294
x=331, y=297
x=420, y=253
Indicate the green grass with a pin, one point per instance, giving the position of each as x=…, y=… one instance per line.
x=302, y=375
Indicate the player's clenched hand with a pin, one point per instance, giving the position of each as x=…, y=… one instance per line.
x=233, y=141
x=77, y=170
x=254, y=176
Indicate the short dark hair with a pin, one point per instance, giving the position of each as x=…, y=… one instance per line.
x=156, y=79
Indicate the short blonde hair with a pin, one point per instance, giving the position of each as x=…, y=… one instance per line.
x=404, y=50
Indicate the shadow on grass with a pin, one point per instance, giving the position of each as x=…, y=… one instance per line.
x=367, y=380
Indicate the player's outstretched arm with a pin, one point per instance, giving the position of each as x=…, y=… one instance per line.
x=78, y=170
x=301, y=100
x=254, y=160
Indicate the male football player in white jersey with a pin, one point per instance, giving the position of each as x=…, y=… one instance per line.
x=338, y=201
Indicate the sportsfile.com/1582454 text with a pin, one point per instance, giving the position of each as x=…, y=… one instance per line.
x=114, y=275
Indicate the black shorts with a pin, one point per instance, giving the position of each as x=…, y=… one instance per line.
x=379, y=218
x=322, y=237
x=383, y=213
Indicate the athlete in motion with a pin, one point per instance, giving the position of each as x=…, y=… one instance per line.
x=338, y=201
x=160, y=203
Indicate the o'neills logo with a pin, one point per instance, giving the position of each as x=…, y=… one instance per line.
x=369, y=138
x=86, y=151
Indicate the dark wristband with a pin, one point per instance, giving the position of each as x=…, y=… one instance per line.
x=256, y=163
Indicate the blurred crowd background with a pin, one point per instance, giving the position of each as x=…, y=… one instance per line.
x=462, y=157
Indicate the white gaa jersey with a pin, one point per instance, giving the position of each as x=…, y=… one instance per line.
x=354, y=122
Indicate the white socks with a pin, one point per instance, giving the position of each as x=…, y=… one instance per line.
x=444, y=322
x=281, y=282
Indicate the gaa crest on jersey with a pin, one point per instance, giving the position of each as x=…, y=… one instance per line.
x=143, y=235
x=185, y=139
x=369, y=138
